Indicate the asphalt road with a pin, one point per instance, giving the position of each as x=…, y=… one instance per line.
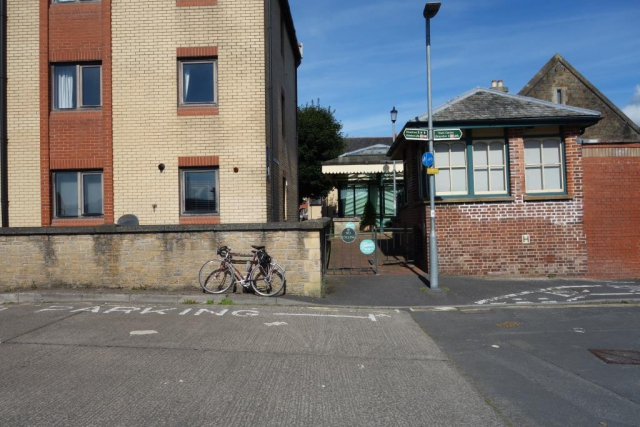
x=534, y=364
x=77, y=365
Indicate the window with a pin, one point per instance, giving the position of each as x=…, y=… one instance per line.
x=451, y=159
x=489, y=167
x=198, y=82
x=77, y=86
x=199, y=191
x=73, y=1
x=544, y=170
x=559, y=96
x=77, y=194
x=477, y=168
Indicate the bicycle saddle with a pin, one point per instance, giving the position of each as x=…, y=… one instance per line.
x=258, y=248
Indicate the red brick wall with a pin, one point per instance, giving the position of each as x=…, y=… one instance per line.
x=485, y=238
x=75, y=139
x=612, y=211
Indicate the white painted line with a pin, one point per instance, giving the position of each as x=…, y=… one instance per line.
x=182, y=313
x=276, y=324
x=543, y=290
x=127, y=310
x=158, y=311
x=630, y=293
x=542, y=299
x=524, y=302
x=371, y=317
x=143, y=332
x=3, y=308
x=445, y=309
x=578, y=330
x=495, y=346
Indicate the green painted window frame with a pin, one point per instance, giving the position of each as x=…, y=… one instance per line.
x=563, y=165
x=471, y=194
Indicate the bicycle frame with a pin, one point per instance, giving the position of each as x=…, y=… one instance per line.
x=237, y=274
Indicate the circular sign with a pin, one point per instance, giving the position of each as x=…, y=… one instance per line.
x=348, y=235
x=350, y=225
x=367, y=247
x=427, y=159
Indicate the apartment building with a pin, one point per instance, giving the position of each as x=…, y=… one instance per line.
x=175, y=111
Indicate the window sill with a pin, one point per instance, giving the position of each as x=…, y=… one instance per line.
x=198, y=111
x=77, y=222
x=544, y=197
x=200, y=220
x=78, y=112
x=474, y=199
x=188, y=3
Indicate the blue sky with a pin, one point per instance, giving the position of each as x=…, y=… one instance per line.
x=362, y=57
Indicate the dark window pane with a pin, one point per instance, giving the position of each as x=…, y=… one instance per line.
x=91, y=86
x=200, y=192
x=66, y=186
x=197, y=83
x=64, y=86
x=92, y=194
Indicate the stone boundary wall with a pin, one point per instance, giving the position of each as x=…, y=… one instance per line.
x=155, y=257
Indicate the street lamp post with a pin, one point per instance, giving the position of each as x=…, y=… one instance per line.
x=430, y=11
x=394, y=117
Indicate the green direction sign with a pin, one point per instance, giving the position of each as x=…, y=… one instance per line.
x=438, y=134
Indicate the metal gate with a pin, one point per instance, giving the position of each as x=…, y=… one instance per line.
x=369, y=250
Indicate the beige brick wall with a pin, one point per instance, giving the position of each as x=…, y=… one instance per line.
x=284, y=149
x=146, y=128
x=23, y=112
x=158, y=261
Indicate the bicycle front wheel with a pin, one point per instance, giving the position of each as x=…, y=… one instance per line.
x=267, y=280
x=214, y=278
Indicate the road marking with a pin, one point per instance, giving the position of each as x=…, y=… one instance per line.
x=3, y=308
x=94, y=309
x=371, y=317
x=158, y=311
x=143, y=332
x=127, y=310
x=620, y=293
x=182, y=313
x=276, y=324
x=55, y=308
x=495, y=346
x=204, y=310
x=578, y=330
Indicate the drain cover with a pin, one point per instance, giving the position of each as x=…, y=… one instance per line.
x=618, y=357
x=507, y=324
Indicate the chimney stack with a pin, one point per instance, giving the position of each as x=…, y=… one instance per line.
x=499, y=86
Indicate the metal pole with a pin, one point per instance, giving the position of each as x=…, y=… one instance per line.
x=433, y=244
x=395, y=192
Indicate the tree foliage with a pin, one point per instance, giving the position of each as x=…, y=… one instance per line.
x=319, y=139
x=369, y=216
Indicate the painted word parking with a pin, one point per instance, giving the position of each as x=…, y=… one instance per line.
x=98, y=309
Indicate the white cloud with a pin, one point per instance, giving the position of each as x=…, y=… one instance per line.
x=633, y=109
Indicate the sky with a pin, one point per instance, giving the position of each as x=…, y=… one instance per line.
x=363, y=57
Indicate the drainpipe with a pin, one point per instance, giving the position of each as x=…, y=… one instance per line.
x=4, y=190
x=274, y=205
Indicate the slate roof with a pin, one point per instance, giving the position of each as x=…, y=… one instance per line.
x=481, y=105
x=557, y=58
x=354, y=144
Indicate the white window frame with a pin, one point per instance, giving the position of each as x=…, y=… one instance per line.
x=181, y=63
x=489, y=167
x=183, y=192
x=80, y=181
x=449, y=168
x=542, y=165
x=79, y=104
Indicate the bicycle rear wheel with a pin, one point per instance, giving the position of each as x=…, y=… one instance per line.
x=214, y=278
x=267, y=280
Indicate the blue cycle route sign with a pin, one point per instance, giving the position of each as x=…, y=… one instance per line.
x=427, y=159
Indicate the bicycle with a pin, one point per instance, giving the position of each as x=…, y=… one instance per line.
x=263, y=274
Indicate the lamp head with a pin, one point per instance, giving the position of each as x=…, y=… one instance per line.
x=394, y=115
x=431, y=10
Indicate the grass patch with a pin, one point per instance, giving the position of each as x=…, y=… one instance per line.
x=624, y=302
x=8, y=303
x=552, y=276
x=210, y=302
x=139, y=288
x=226, y=301
x=189, y=301
x=424, y=289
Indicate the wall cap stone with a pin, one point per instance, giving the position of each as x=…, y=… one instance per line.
x=314, y=225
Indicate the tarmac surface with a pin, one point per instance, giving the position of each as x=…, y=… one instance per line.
x=534, y=365
x=187, y=364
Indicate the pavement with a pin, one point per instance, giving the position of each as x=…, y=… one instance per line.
x=534, y=365
x=412, y=290
x=385, y=291
x=78, y=365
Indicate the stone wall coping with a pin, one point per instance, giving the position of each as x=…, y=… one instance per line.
x=314, y=225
